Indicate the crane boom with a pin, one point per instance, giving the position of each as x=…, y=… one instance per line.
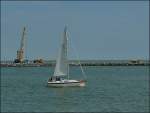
x=23, y=39
x=20, y=52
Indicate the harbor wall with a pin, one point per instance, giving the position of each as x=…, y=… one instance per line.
x=82, y=62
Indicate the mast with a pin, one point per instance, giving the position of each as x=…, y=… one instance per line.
x=67, y=51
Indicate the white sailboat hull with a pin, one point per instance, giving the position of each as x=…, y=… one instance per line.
x=66, y=83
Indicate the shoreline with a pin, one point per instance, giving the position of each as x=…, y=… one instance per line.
x=52, y=63
x=82, y=64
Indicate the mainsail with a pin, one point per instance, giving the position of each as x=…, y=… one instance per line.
x=61, y=68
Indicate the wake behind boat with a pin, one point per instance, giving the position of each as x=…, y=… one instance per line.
x=62, y=68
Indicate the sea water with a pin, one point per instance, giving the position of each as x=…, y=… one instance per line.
x=108, y=89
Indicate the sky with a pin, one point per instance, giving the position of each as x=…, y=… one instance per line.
x=96, y=29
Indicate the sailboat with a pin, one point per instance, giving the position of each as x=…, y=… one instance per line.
x=61, y=75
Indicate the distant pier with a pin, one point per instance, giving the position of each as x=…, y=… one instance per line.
x=83, y=63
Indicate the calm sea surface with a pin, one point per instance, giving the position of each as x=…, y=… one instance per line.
x=118, y=89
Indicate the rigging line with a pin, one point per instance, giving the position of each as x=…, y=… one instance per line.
x=25, y=47
x=83, y=72
x=67, y=56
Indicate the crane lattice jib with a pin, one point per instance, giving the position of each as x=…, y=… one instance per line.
x=22, y=40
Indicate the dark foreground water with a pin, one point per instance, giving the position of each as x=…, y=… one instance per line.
x=118, y=89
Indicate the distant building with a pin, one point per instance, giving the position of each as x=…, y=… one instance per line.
x=136, y=62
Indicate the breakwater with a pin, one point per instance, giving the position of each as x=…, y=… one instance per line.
x=82, y=62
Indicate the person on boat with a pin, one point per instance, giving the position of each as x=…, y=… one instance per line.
x=50, y=79
x=57, y=78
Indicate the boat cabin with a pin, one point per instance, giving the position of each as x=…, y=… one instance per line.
x=54, y=79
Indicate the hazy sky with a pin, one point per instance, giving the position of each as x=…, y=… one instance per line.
x=98, y=30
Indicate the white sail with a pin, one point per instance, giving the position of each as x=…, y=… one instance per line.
x=61, y=68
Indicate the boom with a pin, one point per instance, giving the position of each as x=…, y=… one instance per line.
x=20, y=52
x=23, y=40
